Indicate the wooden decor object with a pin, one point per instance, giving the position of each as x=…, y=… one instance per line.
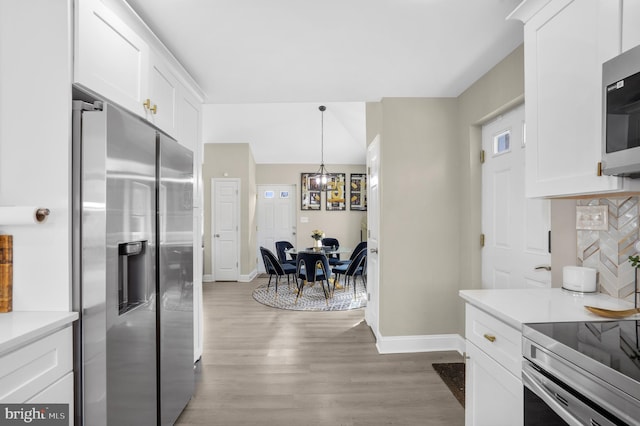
x=6, y=273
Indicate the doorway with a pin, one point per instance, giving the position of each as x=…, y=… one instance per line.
x=276, y=209
x=373, y=229
x=516, y=229
x=225, y=229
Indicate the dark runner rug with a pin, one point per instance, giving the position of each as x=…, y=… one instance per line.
x=312, y=298
x=452, y=374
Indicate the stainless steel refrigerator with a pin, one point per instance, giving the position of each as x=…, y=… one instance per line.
x=133, y=268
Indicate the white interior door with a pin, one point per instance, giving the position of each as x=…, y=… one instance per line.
x=276, y=217
x=226, y=229
x=516, y=228
x=373, y=225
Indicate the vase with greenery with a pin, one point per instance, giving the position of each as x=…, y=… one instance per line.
x=317, y=235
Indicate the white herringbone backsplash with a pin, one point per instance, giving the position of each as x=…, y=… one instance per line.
x=608, y=251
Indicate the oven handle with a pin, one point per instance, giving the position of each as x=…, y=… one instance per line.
x=538, y=388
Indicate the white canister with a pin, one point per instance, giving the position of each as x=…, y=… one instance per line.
x=579, y=278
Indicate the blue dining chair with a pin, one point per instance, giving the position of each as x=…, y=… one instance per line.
x=358, y=266
x=334, y=258
x=313, y=267
x=273, y=267
x=281, y=246
x=342, y=267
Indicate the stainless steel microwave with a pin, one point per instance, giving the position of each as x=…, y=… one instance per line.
x=621, y=115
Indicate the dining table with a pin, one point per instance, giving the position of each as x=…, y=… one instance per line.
x=327, y=250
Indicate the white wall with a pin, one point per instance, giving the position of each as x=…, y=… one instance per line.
x=290, y=133
x=35, y=144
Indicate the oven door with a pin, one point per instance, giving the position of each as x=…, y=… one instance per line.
x=549, y=402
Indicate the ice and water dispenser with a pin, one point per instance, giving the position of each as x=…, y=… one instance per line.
x=132, y=275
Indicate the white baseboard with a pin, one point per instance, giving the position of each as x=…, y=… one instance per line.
x=208, y=278
x=248, y=277
x=423, y=343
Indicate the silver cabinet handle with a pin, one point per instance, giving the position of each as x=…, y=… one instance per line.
x=545, y=267
x=373, y=250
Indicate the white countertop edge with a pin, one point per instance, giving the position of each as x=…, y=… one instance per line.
x=490, y=310
x=516, y=307
x=21, y=327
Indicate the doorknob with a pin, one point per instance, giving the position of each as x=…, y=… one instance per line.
x=373, y=250
x=545, y=267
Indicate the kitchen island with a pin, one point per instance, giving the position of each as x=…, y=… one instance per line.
x=493, y=329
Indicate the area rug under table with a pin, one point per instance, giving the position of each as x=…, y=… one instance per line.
x=312, y=298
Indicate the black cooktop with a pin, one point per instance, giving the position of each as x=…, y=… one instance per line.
x=615, y=344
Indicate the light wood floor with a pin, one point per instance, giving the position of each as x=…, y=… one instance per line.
x=265, y=366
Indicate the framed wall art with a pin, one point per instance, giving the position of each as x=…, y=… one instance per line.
x=358, y=191
x=335, y=192
x=310, y=191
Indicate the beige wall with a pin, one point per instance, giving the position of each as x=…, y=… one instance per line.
x=418, y=217
x=499, y=90
x=231, y=161
x=343, y=225
x=564, y=250
x=430, y=148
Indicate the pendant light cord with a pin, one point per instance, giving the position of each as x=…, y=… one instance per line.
x=322, y=136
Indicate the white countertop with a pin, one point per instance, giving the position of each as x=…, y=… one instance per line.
x=519, y=306
x=18, y=328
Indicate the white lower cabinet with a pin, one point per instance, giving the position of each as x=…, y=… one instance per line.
x=39, y=372
x=61, y=392
x=493, y=387
x=493, y=396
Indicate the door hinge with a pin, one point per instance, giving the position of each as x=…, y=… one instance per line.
x=599, y=169
x=481, y=240
x=368, y=171
x=482, y=156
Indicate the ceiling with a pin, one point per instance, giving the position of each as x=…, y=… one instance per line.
x=318, y=52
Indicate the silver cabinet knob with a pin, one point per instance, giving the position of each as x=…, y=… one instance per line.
x=217, y=235
x=373, y=250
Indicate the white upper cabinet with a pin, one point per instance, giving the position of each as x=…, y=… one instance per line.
x=189, y=113
x=110, y=59
x=161, y=103
x=566, y=42
x=120, y=60
x=630, y=26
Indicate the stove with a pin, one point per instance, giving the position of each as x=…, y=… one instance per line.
x=585, y=372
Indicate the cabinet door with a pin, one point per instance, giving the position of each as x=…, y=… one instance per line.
x=630, y=27
x=163, y=94
x=60, y=392
x=110, y=58
x=565, y=46
x=493, y=396
x=189, y=136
